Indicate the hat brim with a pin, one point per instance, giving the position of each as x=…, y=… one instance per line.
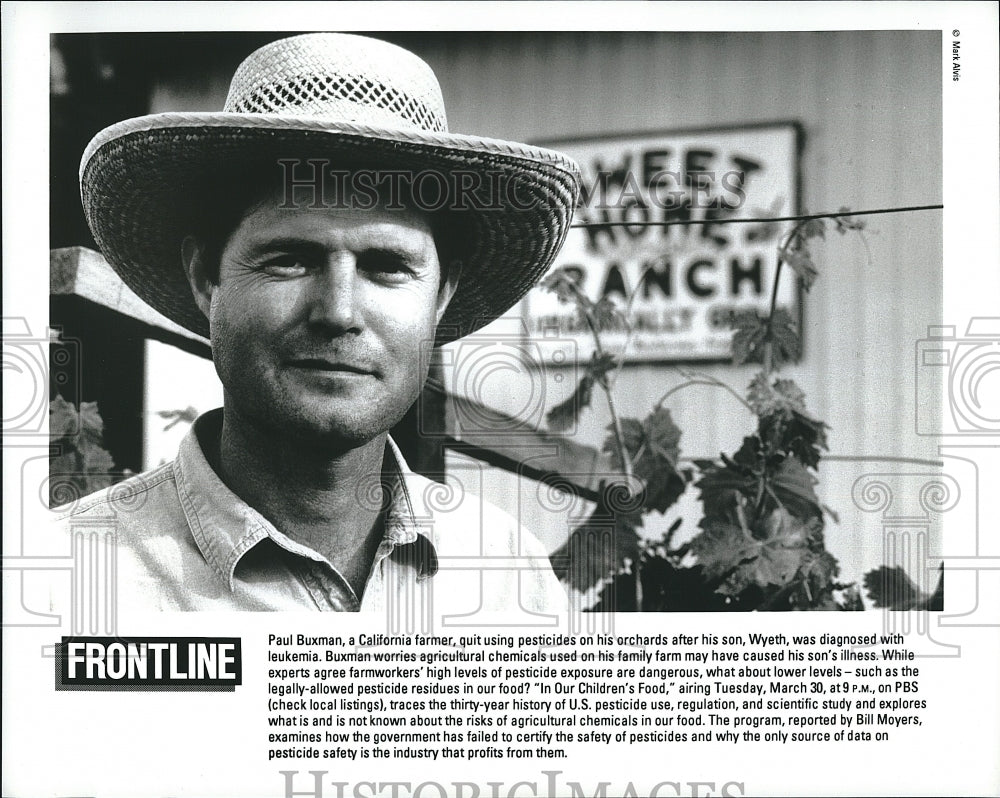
x=139, y=180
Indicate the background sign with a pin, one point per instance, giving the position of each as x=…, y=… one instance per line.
x=677, y=286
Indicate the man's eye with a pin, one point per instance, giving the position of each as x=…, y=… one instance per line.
x=384, y=263
x=285, y=266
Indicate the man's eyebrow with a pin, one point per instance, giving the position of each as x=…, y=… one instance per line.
x=410, y=255
x=390, y=249
x=286, y=244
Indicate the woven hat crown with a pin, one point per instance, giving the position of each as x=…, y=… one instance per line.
x=342, y=77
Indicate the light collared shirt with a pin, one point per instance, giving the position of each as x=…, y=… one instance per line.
x=183, y=541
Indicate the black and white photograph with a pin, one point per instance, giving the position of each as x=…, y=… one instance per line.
x=569, y=358
x=667, y=404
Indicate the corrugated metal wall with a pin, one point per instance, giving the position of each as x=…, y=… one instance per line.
x=870, y=106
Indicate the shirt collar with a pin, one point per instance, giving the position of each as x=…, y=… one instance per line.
x=225, y=527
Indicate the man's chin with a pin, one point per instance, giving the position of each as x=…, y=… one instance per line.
x=321, y=428
x=314, y=420
x=332, y=436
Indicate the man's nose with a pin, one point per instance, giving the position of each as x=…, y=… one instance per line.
x=333, y=299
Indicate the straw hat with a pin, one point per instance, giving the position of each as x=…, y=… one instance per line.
x=348, y=99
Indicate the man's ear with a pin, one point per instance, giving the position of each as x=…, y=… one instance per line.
x=197, y=271
x=448, y=286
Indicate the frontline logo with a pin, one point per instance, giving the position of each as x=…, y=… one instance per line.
x=149, y=663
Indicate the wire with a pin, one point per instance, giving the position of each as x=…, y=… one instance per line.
x=804, y=217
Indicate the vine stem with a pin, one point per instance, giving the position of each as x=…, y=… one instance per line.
x=629, y=329
x=768, y=342
x=700, y=378
x=606, y=387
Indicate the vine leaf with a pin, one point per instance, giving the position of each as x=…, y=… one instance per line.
x=846, y=223
x=804, y=438
x=599, y=366
x=748, y=338
x=720, y=547
x=819, y=569
x=739, y=476
x=796, y=252
x=632, y=437
x=785, y=338
x=892, y=588
x=601, y=315
x=720, y=486
x=565, y=414
x=186, y=416
x=564, y=284
x=63, y=418
x=607, y=315
x=814, y=228
x=764, y=231
x=801, y=261
x=653, y=445
x=752, y=334
x=793, y=432
x=793, y=486
x=777, y=564
x=772, y=559
x=792, y=396
x=82, y=459
x=748, y=455
x=783, y=396
x=663, y=435
x=663, y=491
x=599, y=547
x=851, y=600
x=724, y=489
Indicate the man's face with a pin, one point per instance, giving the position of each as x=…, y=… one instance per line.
x=319, y=318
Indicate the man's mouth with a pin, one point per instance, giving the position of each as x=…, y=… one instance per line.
x=322, y=365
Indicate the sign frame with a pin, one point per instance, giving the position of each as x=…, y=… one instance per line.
x=798, y=143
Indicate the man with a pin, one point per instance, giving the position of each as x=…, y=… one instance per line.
x=296, y=230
